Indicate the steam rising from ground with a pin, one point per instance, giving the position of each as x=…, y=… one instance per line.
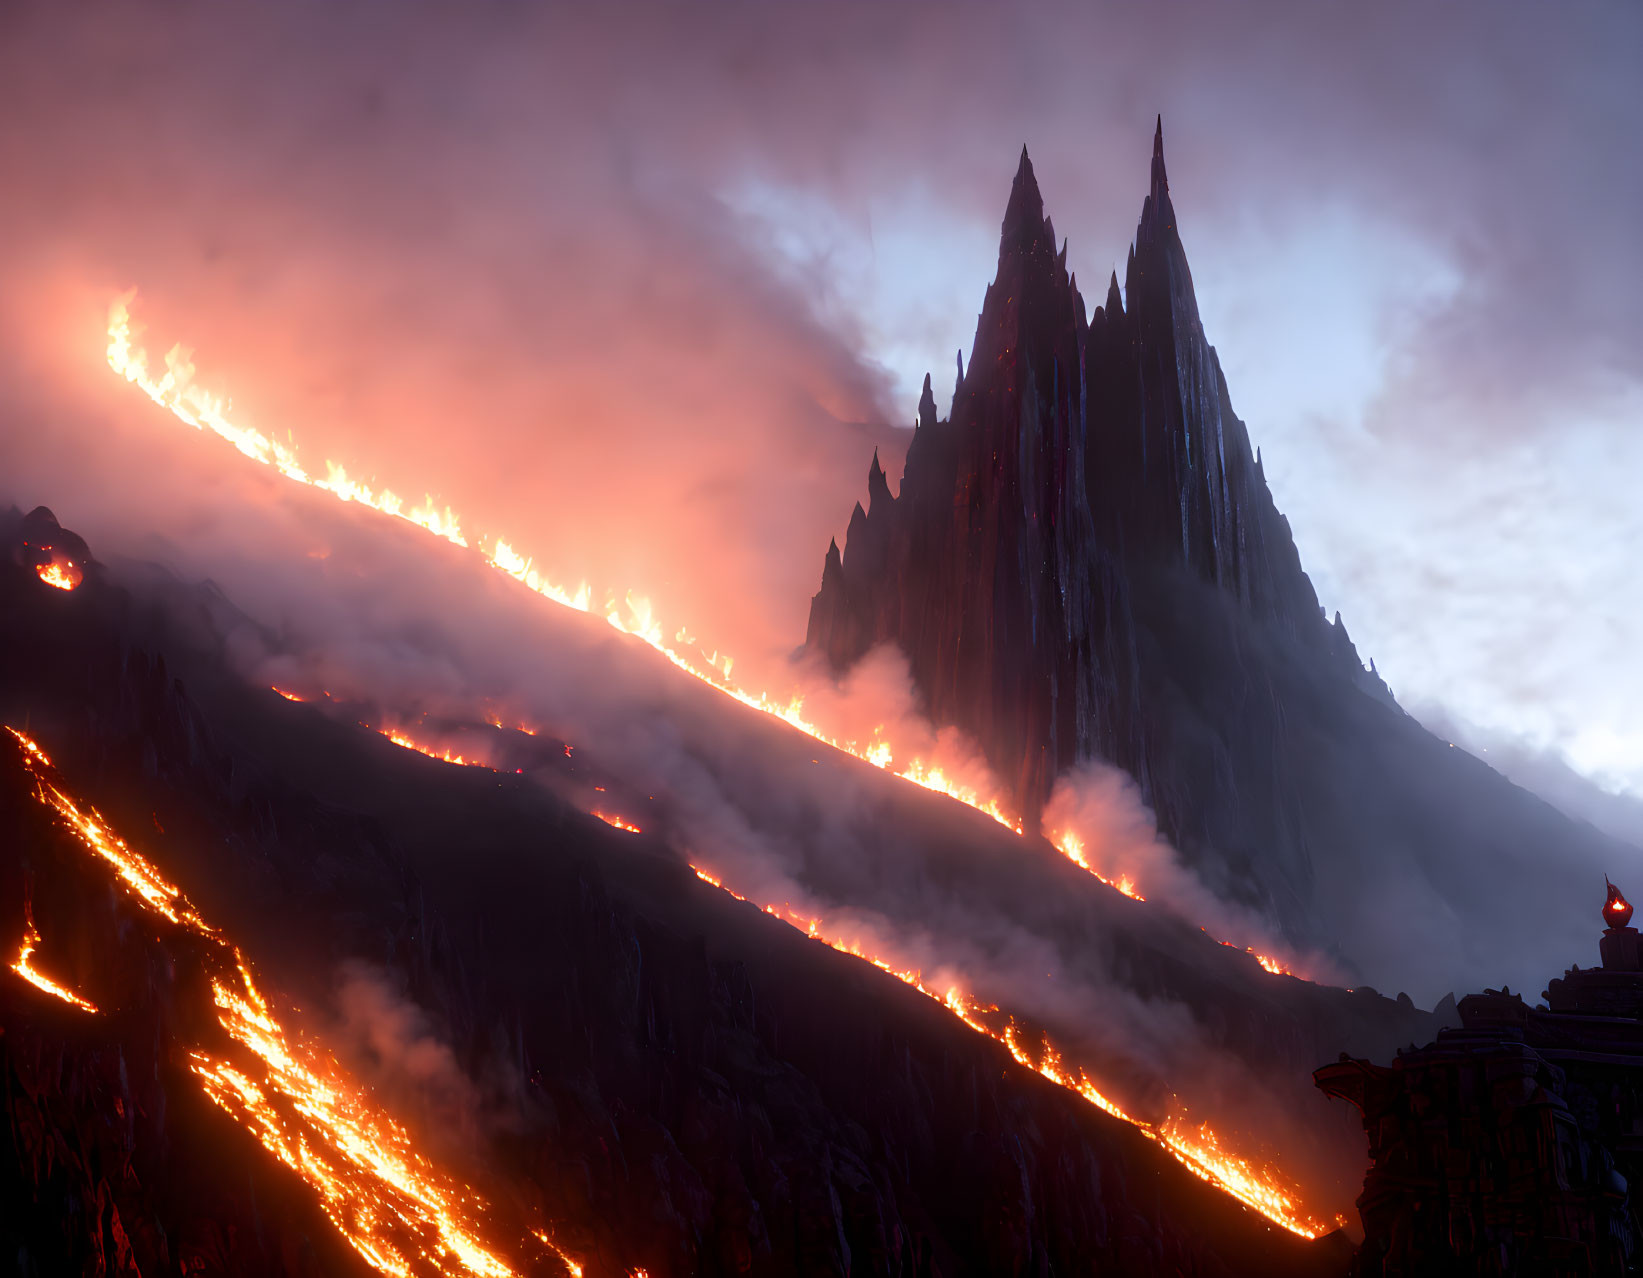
x=1118, y=834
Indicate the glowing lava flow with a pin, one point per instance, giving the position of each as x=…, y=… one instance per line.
x=1196, y=1148
x=394, y=1208
x=25, y=968
x=176, y=391
x=65, y=576
x=617, y=822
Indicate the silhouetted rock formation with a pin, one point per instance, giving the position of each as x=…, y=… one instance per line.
x=1510, y=1146
x=1085, y=561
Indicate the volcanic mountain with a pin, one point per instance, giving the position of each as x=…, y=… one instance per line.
x=1085, y=562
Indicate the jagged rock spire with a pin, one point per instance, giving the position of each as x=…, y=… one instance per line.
x=878, y=487
x=833, y=565
x=1024, y=215
x=1115, y=300
x=927, y=404
x=1160, y=181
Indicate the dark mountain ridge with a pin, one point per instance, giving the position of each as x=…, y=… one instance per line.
x=1085, y=562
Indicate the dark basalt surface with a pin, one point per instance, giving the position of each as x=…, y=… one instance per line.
x=1085, y=561
x=668, y=1078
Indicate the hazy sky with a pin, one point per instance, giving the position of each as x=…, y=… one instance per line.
x=624, y=282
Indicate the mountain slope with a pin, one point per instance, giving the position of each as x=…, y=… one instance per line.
x=670, y=1078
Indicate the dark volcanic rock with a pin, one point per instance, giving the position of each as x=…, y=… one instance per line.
x=1085, y=561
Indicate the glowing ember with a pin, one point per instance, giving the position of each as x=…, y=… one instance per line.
x=395, y=1209
x=289, y=696
x=617, y=822
x=64, y=575
x=24, y=967
x=1256, y=1186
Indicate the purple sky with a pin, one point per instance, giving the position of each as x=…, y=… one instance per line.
x=628, y=279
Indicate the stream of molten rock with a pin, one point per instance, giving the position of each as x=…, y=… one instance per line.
x=176, y=391
x=1256, y=1185
x=399, y=1212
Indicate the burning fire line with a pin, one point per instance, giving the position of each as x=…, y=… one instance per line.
x=1196, y=1148
x=25, y=968
x=176, y=391
x=395, y=1209
x=447, y=756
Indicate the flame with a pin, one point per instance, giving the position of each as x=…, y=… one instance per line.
x=400, y=1213
x=1260, y=1187
x=433, y=752
x=1072, y=847
x=65, y=575
x=1276, y=966
x=617, y=822
x=25, y=968
x=289, y=696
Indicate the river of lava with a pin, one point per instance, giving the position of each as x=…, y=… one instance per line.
x=1196, y=1147
x=399, y=1212
x=176, y=391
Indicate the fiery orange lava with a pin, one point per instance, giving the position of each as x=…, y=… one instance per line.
x=176, y=391
x=64, y=575
x=24, y=967
x=399, y=1212
x=289, y=696
x=1259, y=1186
x=617, y=822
